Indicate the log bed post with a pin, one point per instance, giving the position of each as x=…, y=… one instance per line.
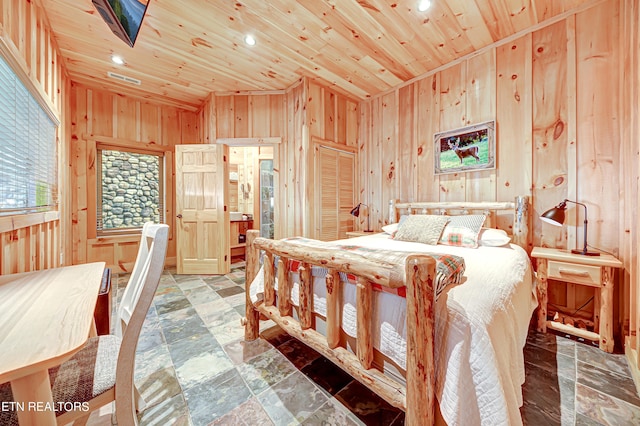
x=334, y=288
x=252, y=319
x=393, y=215
x=420, y=340
x=364, y=299
x=269, y=279
x=306, y=296
x=284, y=288
x=521, y=222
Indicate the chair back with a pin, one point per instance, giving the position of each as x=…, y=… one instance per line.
x=149, y=241
x=133, y=309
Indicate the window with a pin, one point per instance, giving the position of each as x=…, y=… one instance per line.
x=28, y=180
x=130, y=189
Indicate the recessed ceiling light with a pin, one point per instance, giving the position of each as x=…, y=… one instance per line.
x=249, y=40
x=117, y=59
x=424, y=5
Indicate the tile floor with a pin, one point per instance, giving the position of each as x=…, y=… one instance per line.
x=193, y=368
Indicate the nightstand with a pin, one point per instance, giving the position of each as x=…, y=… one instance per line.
x=353, y=234
x=592, y=271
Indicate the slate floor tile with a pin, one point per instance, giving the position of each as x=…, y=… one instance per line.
x=194, y=368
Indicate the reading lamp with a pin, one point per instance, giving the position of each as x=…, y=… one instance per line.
x=356, y=212
x=555, y=216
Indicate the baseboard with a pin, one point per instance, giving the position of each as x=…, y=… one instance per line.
x=632, y=359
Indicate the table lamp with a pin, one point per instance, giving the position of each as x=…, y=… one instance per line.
x=356, y=212
x=555, y=216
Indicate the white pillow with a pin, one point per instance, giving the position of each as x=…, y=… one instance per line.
x=390, y=228
x=493, y=237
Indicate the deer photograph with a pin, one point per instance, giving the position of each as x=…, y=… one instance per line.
x=462, y=153
x=469, y=148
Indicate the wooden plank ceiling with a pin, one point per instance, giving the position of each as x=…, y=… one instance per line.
x=189, y=48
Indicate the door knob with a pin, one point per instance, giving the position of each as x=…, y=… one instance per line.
x=179, y=216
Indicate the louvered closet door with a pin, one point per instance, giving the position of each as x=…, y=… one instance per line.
x=335, y=193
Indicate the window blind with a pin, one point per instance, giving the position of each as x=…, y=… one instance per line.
x=27, y=148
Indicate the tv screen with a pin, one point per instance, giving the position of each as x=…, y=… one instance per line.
x=123, y=17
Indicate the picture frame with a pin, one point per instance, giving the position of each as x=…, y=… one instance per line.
x=466, y=149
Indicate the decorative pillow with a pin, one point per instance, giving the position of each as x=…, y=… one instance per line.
x=390, y=228
x=421, y=228
x=493, y=237
x=462, y=231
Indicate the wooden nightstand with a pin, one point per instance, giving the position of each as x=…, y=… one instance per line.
x=593, y=271
x=353, y=234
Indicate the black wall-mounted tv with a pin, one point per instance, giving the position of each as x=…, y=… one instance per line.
x=123, y=17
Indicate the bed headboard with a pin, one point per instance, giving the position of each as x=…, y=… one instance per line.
x=511, y=216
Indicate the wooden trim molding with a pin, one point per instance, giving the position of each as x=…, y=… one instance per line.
x=333, y=145
x=106, y=142
x=19, y=221
x=249, y=141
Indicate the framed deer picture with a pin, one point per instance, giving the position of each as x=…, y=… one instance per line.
x=466, y=149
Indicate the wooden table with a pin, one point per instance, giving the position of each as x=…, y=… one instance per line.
x=45, y=317
x=592, y=271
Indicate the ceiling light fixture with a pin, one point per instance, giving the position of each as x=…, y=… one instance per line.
x=424, y=5
x=117, y=59
x=249, y=40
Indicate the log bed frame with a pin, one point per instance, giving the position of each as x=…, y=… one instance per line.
x=418, y=405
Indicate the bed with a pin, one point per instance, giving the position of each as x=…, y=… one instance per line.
x=378, y=317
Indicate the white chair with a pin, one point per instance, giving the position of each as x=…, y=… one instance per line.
x=102, y=371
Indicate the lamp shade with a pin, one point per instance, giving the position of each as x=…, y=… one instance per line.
x=356, y=212
x=555, y=215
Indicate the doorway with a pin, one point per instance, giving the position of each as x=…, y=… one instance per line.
x=267, y=200
x=251, y=195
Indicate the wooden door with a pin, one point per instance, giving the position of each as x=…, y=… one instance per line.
x=335, y=196
x=202, y=243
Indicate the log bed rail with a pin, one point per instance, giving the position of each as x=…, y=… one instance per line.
x=417, y=398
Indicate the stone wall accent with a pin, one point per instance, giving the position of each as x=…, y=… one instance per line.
x=130, y=189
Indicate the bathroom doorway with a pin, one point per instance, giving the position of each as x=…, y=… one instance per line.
x=251, y=195
x=266, y=198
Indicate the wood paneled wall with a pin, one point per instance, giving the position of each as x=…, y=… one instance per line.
x=557, y=130
x=562, y=132
x=248, y=117
x=304, y=111
x=629, y=178
x=99, y=116
x=316, y=115
x=36, y=241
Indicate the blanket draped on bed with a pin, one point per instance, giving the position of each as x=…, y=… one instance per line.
x=449, y=268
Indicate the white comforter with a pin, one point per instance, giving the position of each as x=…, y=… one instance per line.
x=481, y=329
